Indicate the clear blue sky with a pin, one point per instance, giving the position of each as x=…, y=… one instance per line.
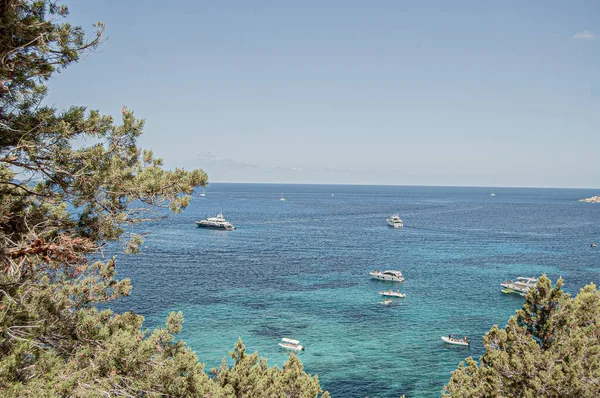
x=502, y=93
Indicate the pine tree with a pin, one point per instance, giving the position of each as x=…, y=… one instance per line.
x=61, y=203
x=550, y=348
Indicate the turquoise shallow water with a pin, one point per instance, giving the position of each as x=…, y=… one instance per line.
x=299, y=269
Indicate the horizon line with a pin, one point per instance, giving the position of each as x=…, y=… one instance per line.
x=400, y=185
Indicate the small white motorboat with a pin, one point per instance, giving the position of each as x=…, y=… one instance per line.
x=393, y=293
x=393, y=276
x=291, y=345
x=456, y=340
x=386, y=302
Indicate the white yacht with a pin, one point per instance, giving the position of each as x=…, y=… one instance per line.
x=521, y=285
x=493, y=194
x=203, y=193
x=282, y=198
x=394, y=221
x=292, y=345
x=392, y=293
x=217, y=222
x=393, y=276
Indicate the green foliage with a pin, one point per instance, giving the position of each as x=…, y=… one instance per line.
x=61, y=202
x=251, y=377
x=550, y=348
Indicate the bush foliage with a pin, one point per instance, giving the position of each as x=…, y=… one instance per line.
x=550, y=348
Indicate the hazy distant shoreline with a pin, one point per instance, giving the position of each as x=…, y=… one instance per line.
x=593, y=199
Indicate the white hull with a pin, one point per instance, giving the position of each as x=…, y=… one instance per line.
x=455, y=342
x=292, y=347
x=393, y=294
x=515, y=289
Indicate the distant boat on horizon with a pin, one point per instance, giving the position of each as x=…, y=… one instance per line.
x=282, y=198
x=203, y=192
x=493, y=194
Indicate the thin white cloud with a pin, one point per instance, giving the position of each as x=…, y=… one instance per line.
x=585, y=35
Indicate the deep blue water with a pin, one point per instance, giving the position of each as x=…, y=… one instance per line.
x=299, y=269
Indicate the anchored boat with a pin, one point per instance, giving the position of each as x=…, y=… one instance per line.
x=291, y=345
x=217, y=222
x=521, y=285
x=392, y=293
x=389, y=275
x=456, y=339
x=395, y=221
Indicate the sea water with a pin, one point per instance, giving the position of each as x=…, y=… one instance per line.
x=300, y=269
